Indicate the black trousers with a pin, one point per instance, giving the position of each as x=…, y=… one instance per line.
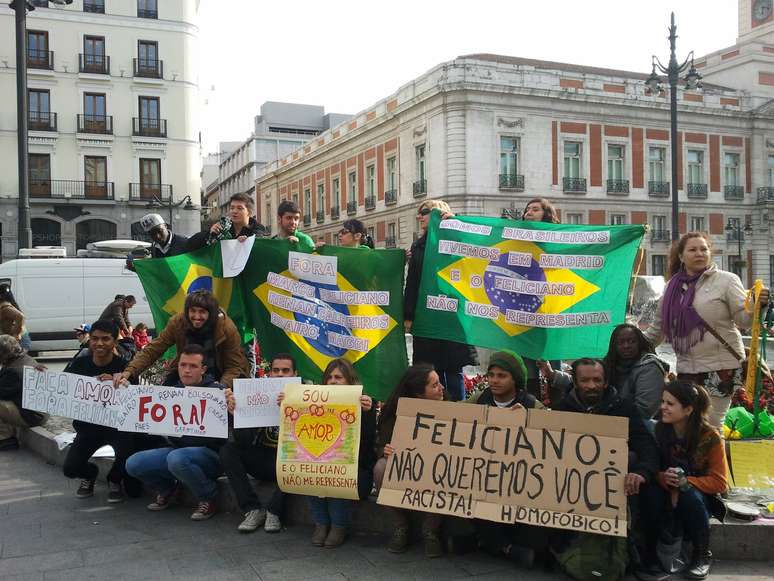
x=89, y=438
x=260, y=461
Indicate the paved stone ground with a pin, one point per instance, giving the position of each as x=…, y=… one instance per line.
x=48, y=534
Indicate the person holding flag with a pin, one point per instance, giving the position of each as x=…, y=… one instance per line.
x=700, y=315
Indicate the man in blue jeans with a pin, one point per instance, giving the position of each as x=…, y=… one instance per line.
x=189, y=460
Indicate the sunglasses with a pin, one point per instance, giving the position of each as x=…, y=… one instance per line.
x=424, y=211
x=344, y=232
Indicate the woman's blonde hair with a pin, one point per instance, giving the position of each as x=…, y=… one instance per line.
x=433, y=204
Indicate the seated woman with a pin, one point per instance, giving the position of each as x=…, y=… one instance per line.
x=422, y=382
x=332, y=516
x=693, y=474
x=203, y=323
x=634, y=369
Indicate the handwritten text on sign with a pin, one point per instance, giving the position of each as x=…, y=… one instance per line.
x=319, y=442
x=176, y=411
x=554, y=469
x=73, y=396
x=256, y=401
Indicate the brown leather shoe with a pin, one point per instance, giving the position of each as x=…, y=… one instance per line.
x=336, y=537
x=319, y=535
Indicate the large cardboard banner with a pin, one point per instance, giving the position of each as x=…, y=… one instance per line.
x=319, y=441
x=73, y=396
x=256, y=401
x=175, y=411
x=545, y=468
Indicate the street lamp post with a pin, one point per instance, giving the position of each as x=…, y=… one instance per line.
x=734, y=227
x=654, y=83
x=156, y=204
x=24, y=234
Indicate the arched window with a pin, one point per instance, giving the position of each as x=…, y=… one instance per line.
x=46, y=232
x=93, y=231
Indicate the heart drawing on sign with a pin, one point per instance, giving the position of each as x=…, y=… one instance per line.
x=317, y=434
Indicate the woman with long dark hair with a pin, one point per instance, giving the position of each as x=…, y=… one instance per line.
x=540, y=210
x=353, y=234
x=701, y=314
x=419, y=382
x=11, y=316
x=692, y=476
x=635, y=370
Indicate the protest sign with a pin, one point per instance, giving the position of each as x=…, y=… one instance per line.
x=175, y=411
x=319, y=441
x=752, y=463
x=256, y=401
x=73, y=396
x=546, y=291
x=545, y=468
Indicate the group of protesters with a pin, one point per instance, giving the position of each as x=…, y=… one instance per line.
x=677, y=462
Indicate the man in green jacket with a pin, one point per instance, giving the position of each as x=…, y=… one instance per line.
x=288, y=217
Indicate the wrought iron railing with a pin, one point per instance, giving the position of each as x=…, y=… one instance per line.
x=148, y=191
x=40, y=59
x=149, y=127
x=370, y=202
x=510, y=181
x=334, y=212
x=351, y=208
x=41, y=121
x=617, y=186
x=419, y=188
x=95, y=124
x=733, y=192
x=574, y=185
x=64, y=189
x=660, y=235
x=696, y=191
x=391, y=197
x=658, y=189
x=149, y=68
x=320, y=217
x=98, y=64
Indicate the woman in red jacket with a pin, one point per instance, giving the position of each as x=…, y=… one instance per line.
x=693, y=474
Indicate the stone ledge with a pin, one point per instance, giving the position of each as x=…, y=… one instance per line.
x=731, y=540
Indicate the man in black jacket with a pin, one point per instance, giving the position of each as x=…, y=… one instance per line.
x=165, y=242
x=13, y=360
x=254, y=451
x=189, y=460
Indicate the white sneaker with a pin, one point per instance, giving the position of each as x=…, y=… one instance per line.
x=253, y=519
x=273, y=523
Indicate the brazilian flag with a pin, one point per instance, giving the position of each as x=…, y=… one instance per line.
x=337, y=302
x=167, y=281
x=545, y=291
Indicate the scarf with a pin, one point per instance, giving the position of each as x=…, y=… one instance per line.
x=683, y=326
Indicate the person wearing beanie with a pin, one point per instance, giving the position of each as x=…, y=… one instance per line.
x=507, y=380
x=506, y=377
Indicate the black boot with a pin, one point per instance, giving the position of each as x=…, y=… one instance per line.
x=701, y=560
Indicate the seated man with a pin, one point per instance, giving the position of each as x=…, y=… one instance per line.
x=254, y=452
x=507, y=378
x=189, y=460
x=13, y=359
x=102, y=363
x=591, y=394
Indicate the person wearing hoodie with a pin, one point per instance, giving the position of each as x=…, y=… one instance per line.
x=202, y=323
x=506, y=377
x=13, y=359
x=635, y=370
x=239, y=225
x=192, y=461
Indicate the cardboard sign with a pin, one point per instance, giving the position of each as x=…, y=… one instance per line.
x=319, y=441
x=175, y=411
x=256, y=401
x=73, y=396
x=752, y=463
x=545, y=468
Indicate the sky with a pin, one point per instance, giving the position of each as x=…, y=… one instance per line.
x=347, y=55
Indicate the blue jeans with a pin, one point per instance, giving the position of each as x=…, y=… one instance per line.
x=692, y=510
x=196, y=468
x=331, y=511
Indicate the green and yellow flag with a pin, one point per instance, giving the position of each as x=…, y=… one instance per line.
x=337, y=302
x=167, y=281
x=546, y=291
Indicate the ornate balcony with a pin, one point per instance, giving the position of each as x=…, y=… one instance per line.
x=320, y=217
x=41, y=121
x=149, y=127
x=696, y=191
x=766, y=194
x=658, y=189
x=97, y=64
x=513, y=182
x=148, y=68
x=574, y=185
x=733, y=192
x=145, y=191
x=390, y=197
x=334, y=212
x=618, y=187
x=64, y=189
x=660, y=235
x=420, y=188
x=370, y=202
x=351, y=208
x=102, y=124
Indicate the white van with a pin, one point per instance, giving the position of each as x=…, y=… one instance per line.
x=58, y=294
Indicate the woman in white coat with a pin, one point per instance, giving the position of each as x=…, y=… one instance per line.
x=701, y=314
